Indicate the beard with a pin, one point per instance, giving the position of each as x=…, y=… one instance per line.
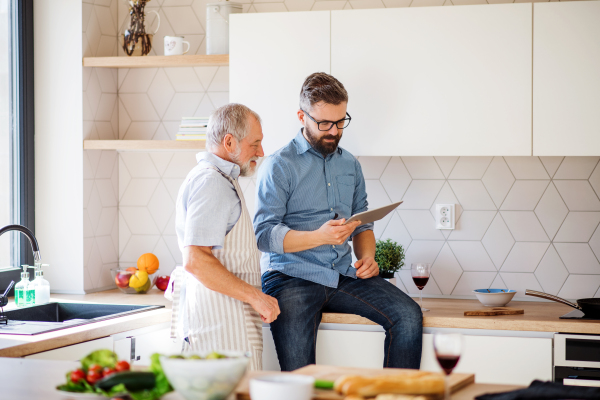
x=320, y=145
x=246, y=169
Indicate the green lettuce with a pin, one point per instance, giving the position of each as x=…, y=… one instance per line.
x=104, y=358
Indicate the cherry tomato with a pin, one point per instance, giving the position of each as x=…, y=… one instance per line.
x=77, y=375
x=122, y=366
x=95, y=367
x=107, y=371
x=93, y=376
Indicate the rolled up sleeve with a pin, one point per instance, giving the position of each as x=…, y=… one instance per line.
x=271, y=206
x=207, y=216
x=359, y=202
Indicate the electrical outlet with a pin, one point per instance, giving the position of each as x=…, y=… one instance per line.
x=444, y=216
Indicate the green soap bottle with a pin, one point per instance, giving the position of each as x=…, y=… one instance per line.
x=22, y=289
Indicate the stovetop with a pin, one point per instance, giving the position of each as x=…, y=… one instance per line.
x=577, y=314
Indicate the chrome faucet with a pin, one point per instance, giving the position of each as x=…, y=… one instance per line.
x=32, y=240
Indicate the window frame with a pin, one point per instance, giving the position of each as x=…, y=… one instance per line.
x=22, y=131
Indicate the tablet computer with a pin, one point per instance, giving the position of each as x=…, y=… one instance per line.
x=376, y=214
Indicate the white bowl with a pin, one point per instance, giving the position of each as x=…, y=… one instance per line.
x=284, y=387
x=494, y=297
x=213, y=379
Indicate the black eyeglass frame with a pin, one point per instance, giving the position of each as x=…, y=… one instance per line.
x=329, y=122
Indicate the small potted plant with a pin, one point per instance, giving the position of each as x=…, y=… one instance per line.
x=389, y=255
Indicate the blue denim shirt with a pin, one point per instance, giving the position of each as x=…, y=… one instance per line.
x=298, y=189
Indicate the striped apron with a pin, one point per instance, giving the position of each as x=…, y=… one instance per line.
x=219, y=322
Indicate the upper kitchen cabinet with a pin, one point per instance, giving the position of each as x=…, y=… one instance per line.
x=270, y=56
x=436, y=80
x=566, y=79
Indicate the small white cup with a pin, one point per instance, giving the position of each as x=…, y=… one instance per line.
x=174, y=46
x=285, y=386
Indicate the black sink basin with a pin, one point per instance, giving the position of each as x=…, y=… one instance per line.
x=54, y=316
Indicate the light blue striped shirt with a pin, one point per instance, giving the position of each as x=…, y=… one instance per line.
x=207, y=206
x=298, y=189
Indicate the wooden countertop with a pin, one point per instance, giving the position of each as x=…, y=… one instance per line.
x=539, y=316
x=18, y=374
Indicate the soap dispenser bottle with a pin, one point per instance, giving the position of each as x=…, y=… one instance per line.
x=41, y=286
x=22, y=289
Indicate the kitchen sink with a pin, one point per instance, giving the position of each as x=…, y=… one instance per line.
x=50, y=317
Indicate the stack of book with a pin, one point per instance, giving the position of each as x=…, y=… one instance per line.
x=192, y=128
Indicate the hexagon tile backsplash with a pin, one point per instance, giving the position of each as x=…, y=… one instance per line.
x=522, y=222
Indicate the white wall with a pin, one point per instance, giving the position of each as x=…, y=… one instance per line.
x=58, y=149
x=524, y=222
x=100, y=168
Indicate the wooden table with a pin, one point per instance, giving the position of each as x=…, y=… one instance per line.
x=25, y=379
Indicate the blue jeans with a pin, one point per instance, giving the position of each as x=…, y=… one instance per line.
x=303, y=302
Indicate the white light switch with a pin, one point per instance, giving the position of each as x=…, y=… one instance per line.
x=444, y=216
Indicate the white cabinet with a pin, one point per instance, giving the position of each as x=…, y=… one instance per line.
x=566, y=79
x=74, y=352
x=493, y=359
x=270, y=56
x=436, y=80
x=137, y=346
x=498, y=359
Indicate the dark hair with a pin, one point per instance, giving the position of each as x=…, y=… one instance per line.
x=322, y=87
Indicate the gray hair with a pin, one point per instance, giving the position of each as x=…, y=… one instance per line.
x=232, y=118
x=322, y=87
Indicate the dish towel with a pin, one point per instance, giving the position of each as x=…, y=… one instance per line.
x=176, y=293
x=539, y=390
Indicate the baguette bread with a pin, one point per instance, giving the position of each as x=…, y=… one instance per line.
x=409, y=382
x=400, y=397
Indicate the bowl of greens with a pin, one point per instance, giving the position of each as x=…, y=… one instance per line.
x=211, y=376
x=102, y=374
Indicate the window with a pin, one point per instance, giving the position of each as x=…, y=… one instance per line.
x=6, y=193
x=16, y=130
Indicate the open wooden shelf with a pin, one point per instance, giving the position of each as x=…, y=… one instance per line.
x=157, y=61
x=143, y=145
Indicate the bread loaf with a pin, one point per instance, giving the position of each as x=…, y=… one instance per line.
x=409, y=382
x=399, y=397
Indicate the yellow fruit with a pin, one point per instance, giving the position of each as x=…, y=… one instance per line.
x=138, y=280
x=148, y=262
x=144, y=288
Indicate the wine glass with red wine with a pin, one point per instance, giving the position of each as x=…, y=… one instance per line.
x=420, y=274
x=448, y=348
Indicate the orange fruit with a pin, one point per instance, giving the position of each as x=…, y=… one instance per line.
x=133, y=270
x=148, y=262
x=138, y=280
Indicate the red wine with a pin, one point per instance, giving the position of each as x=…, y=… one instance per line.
x=420, y=281
x=447, y=362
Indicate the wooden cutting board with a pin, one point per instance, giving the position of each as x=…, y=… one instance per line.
x=330, y=373
x=495, y=311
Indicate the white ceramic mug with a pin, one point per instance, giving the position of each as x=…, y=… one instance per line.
x=174, y=46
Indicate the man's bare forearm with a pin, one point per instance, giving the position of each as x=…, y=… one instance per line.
x=200, y=262
x=295, y=241
x=364, y=244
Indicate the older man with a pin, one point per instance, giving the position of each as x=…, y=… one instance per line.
x=306, y=191
x=223, y=301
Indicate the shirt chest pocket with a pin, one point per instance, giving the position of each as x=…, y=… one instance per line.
x=345, y=189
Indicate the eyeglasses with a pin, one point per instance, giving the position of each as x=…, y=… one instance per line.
x=327, y=125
